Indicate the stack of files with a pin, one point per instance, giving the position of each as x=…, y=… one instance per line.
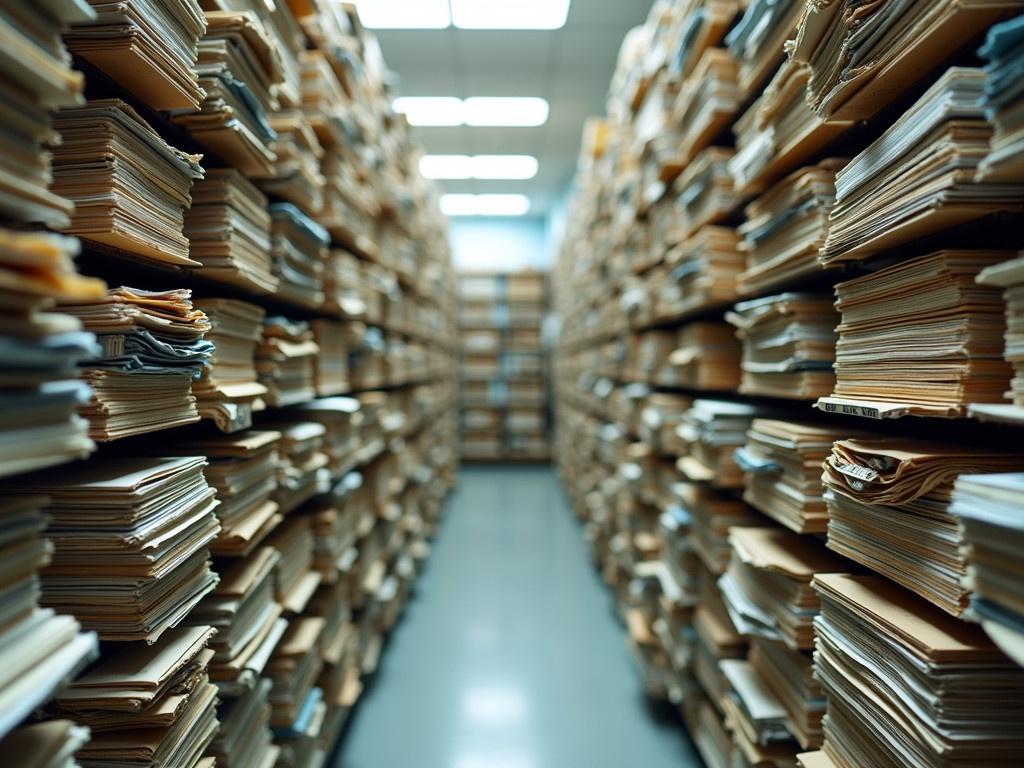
x=786, y=227
x=343, y=285
x=244, y=739
x=988, y=508
x=706, y=102
x=295, y=579
x=781, y=465
x=294, y=668
x=302, y=461
x=242, y=468
x=41, y=350
x=147, y=47
x=712, y=515
x=343, y=420
x=704, y=192
x=789, y=344
x=286, y=361
x=908, y=685
x=129, y=186
x=299, y=250
x=716, y=639
x=767, y=585
x=712, y=430
x=706, y=356
x=302, y=742
x=147, y=705
x=340, y=677
x=331, y=364
x=228, y=391
x=287, y=38
x=338, y=523
x=1003, y=49
x=297, y=178
x=247, y=618
x=37, y=78
x=39, y=651
x=757, y=40
x=49, y=744
x=130, y=541
x=709, y=734
x=237, y=68
x=889, y=509
x=778, y=133
x=701, y=24
x=755, y=716
x=921, y=338
x=789, y=675
x=702, y=273
x=918, y=178
x=153, y=348
x=1008, y=275
x=863, y=57
x=228, y=229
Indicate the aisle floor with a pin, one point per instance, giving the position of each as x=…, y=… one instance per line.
x=510, y=654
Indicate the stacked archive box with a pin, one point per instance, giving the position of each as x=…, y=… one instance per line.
x=789, y=328
x=229, y=407
x=504, y=389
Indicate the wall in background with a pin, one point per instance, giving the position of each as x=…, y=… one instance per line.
x=500, y=244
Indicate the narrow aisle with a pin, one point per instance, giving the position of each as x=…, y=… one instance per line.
x=510, y=654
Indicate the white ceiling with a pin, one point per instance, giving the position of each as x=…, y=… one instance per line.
x=570, y=67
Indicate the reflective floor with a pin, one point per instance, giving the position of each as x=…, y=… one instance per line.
x=510, y=654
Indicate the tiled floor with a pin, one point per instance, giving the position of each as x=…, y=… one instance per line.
x=510, y=654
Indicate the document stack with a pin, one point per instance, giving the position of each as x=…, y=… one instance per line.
x=712, y=430
x=1002, y=50
x=1009, y=275
x=297, y=178
x=285, y=361
x=705, y=193
x=701, y=273
x=298, y=248
x=301, y=461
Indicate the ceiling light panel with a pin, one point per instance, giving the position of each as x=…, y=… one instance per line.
x=517, y=167
x=446, y=166
x=510, y=14
x=494, y=111
x=404, y=14
x=431, y=110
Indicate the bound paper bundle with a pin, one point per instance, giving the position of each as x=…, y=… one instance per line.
x=706, y=102
x=247, y=618
x=40, y=350
x=37, y=78
x=767, y=587
x=786, y=227
x=706, y=356
x=704, y=192
x=712, y=515
x=862, y=57
x=918, y=178
x=701, y=273
x=331, y=364
x=1009, y=275
x=755, y=716
x=129, y=186
x=297, y=178
x=888, y=504
x=147, y=704
x=237, y=67
x=921, y=338
x=988, y=507
x=286, y=361
x=130, y=542
x=153, y=348
x=243, y=470
x=1003, y=49
x=299, y=474
x=757, y=40
x=228, y=229
x=244, y=737
x=50, y=744
x=712, y=430
x=789, y=676
x=299, y=250
x=908, y=685
x=788, y=345
x=40, y=651
x=147, y=47
x=781, y=464
x=228, y=391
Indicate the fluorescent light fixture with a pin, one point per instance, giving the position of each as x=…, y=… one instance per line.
x=510, y=14
x=505, y=111
x=517, y=167
x=485, y=205
x=404, y=14
x=431, y=110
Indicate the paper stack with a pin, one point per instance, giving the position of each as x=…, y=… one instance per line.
x=130, y=188
x=147, y=704
x=788, y=345
x=707, y=101
x=237, y=67
x=988, y=508
x=920, y=338
x=228, y=229
x=346, y=441
x=757, y=40
x=706, y=356
x=704, y=193
x=228, y=391
x=716, y=639
x=908, y=685
x=755, y=717
x=712, y=515
x=39, y=389
x=244, y=738
x=786, y=228
x=297, y=178
x=1003, y=49
x=243, y=470
x=130, y=542
x=340, y=675
x=767, y=585
x=788, y=675
x=50, y=744
x=295, y=579
x=299, y=250
x=294, y=668
x=700, y=273
x=147, y=47
x=888, y=503
x=286, y=361
x=331, y=364
x=343, y=284
x=1008, y=275
x=37, y=78
x=337, y=522
x=302, y=461
x=713, y=429
x=153, y=347
x=918, y=177
x=39, y=650
x=781, y=465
